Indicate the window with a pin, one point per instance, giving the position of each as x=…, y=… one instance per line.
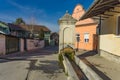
x=118, y=25
x=86, y=37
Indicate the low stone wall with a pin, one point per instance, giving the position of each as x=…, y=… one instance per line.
x=23, y=44
x=34, y=44
x=90, y=74
x=2, y=44
x=31, y=44
x=42, y=44
x=69, y=70
x=110, y=56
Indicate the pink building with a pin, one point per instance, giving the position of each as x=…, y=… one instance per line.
x=86, y=29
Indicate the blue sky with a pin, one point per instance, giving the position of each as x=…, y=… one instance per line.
x=44, y=12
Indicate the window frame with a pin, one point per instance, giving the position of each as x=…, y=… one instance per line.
x=86, y=40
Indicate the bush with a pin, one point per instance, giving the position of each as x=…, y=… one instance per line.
x=60, y=57
x=68, y=52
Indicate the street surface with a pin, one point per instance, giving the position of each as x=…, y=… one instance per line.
x=41, y=64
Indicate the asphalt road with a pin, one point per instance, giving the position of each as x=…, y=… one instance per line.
x=40, y=64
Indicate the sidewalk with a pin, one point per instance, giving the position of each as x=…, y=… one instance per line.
x=106, y=69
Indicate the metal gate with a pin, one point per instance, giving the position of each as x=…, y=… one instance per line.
x=25, y=44
x=12, y=44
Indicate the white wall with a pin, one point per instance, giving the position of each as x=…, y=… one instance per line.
x=109, y=41
x=66, y=35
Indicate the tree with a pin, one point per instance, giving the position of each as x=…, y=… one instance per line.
x=19, y=21
x=41, y=34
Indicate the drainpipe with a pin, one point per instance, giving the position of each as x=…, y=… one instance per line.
x=100, y=25
x=98, y=50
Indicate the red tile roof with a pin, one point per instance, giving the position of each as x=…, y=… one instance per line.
x=15, y=27
x=35, y=27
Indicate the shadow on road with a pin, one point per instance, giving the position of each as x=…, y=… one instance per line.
x=87, y=54
x=49, y=67
x=37, y=53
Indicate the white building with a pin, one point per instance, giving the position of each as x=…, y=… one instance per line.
x=66, y=31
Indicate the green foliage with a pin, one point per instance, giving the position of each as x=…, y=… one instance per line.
x=69, y=53
x=60, y=57
x=41, y=34
x=19, y=21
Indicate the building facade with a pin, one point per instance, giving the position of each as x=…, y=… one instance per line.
x=4, y=29
x=66, y=31
x=16, y=30
x=108, y=13
x=109, y=38
x=54, y=38
x=39, y=32
x=86, y=29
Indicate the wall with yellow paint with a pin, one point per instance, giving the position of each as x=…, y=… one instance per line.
x=109, y=41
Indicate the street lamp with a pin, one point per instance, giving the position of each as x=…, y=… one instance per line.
x=78, y=40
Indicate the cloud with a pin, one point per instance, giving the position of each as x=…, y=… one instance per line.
x=7, y=18
x=26, y=8
x=52, y=26
x=41, y=16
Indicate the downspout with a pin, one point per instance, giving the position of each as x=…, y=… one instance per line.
x=99, y=33
x=100, y=25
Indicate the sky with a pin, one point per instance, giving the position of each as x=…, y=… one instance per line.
x=41, y=12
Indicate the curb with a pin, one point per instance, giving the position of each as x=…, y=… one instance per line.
x=7, y=58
